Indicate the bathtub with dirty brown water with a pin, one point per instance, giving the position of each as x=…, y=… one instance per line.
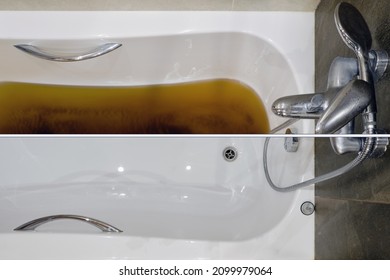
x=219, y=106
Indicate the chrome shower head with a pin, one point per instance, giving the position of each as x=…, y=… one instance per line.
x=353, y=28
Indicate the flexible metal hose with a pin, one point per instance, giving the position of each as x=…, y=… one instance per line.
x=368, y=145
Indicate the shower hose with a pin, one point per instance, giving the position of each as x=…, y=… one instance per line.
x=368, y=145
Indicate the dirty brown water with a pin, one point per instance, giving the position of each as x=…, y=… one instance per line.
x=205, y=107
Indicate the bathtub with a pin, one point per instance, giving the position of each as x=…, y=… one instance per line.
x=172, y=196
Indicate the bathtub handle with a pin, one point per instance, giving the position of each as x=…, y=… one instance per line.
x=32, y=225
x=37, y=52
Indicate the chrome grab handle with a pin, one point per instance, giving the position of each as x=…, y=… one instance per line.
x=37, y=52
x=32, y=225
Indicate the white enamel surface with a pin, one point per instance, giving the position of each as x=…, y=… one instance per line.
x=172, y=197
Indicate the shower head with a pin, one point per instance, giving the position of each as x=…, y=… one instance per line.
x=353, y=28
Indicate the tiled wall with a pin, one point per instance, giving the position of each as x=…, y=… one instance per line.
x=353, y=211
x=219, y=5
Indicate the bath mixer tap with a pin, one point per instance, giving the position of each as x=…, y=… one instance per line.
x=333, y=108
x=350, y=89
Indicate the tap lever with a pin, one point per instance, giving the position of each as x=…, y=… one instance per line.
x=349, y=102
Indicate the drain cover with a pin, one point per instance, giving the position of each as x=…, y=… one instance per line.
x=230, y=153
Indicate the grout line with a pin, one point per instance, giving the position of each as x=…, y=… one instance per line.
x=355, y=200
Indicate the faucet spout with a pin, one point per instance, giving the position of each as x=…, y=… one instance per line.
x=304, y=106
x=308, y=106
x=349, y=102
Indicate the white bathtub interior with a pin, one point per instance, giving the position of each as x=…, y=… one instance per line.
x=173, y=197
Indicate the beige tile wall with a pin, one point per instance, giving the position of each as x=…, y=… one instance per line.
x=213, y=5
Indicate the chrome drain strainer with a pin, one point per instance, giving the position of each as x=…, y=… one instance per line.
x=230, y=154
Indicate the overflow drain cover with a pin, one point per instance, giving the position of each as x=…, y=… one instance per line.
x=230, y=153
x=307, y=208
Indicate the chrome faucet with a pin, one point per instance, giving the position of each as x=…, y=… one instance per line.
x=350, y=89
